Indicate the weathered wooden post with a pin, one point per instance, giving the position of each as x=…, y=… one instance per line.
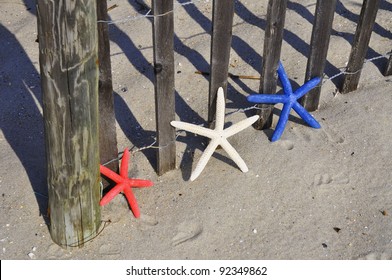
x=271, y=54
x=163, y=39
x=222, y=24
x=360, y=45
x=319, y=44
x=107, y=120
x=68, y=53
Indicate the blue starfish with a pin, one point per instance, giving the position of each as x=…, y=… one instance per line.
x=289, y=100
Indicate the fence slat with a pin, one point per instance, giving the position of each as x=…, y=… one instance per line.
x=388, y=69
x=67, y=33
x=271, y=54
x=163, y=40
x=222, y=22
x=360, y=45
x=107, y=121
x=321, y=33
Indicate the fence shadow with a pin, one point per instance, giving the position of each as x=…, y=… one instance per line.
x=377, y=29
x=132, y=129
x=289, y=37
x=349, y=37
x=385, y=5
x=183, y=110
x=127, y=120
x=297, y=43
x=20, y=118
x=242, y=48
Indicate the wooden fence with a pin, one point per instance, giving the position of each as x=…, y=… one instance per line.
x=163, y=43
x=222, y=20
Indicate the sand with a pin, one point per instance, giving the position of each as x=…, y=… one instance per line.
x=314, y=194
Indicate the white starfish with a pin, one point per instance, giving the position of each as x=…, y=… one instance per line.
x=218, y=136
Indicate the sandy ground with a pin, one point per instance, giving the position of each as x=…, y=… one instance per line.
x=314, y=194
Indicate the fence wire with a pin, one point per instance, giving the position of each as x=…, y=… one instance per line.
x=149, y=14
x=254, y=107
x=344, y=72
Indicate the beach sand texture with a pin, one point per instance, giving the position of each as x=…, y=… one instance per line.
x=314, y=194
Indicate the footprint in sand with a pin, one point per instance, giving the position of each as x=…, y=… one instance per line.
x=148, y=220
x=308, y=136
x=333, y=136
x=287, y=144
x=326, y=179
x=305, y=134
x=187, y=231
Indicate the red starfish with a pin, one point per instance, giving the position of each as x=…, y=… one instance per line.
x=124, y=184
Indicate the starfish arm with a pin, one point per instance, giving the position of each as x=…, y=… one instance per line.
x=204, y=158
x=235, y=128
x=112, y=193
x=284, y=116
x=194, y=129
x=220, y=110
x=234, y=155
x=132, y=202
x=308, y=118
x=309, y=85
x=266, y=98
x=139, y=183
x=124, y=164
x=110, y=174
x=284, y=79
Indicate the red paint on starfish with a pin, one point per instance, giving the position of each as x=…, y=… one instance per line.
x=124, y=184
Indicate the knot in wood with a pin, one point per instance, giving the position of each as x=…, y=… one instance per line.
x=158, y=68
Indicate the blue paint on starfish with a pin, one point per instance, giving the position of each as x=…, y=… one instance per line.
x=289, y=100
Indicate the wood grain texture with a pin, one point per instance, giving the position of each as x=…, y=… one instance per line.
x=276, y=14
x=163, y=40
x=107, y=120
x=68, y=56
x=222, y=22
x=319, y=45
x=360, y=45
